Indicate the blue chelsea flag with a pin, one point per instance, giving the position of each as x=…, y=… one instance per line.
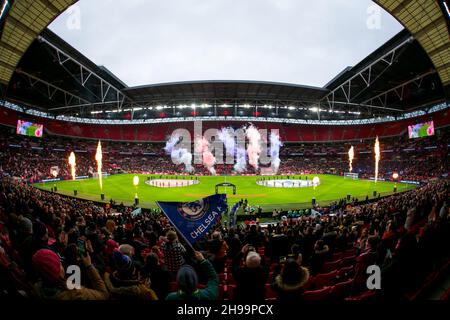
x=194, y=219
x=233, y=214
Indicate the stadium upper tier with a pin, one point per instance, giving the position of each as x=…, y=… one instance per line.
x=158, y=131
x=412, y=159
x=55, y=78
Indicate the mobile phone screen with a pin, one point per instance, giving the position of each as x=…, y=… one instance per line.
x=81, y=247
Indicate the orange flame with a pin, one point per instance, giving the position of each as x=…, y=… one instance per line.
x=72, y=163
x=351, y=156
x=377, y=157
x=98, y=158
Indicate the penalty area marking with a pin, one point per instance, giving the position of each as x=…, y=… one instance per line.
x=171, y=183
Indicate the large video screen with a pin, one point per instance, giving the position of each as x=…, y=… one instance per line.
x=29, y=129
x=421, y=130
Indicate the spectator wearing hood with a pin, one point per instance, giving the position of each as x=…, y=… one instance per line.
x=52, y=283
x=125, y=283
x=288, y=281
x=187, y=282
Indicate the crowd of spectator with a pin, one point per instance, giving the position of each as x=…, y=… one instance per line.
x=31, y=158
x=123, y=255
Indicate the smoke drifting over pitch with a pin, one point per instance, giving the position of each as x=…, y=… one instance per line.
x=254, y=146
x=241, y=160
x=242, y=146
x=202, y=147
x=275, y=145
x=180, y=155
x=226, y=135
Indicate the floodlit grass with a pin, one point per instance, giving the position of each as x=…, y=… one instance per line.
x=121, y=189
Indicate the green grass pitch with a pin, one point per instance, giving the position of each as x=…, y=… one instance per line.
x=121, y=189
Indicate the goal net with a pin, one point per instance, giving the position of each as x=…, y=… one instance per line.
x=351, y=175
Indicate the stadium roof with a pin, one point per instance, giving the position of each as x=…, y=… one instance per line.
x=25, y=21
x=429, y=26
x=398, y=76
x=225, y=91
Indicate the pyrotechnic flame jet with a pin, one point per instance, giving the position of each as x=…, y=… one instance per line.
x=377, y=158
x=98, y=158
x=72, y=163
x=351, y=156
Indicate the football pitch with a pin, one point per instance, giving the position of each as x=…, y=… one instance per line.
x=120, y=188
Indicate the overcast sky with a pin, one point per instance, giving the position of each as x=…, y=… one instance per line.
x=295, y=41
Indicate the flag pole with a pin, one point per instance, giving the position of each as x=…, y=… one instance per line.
x=173, y=224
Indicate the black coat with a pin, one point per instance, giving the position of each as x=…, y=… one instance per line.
x=250, y=283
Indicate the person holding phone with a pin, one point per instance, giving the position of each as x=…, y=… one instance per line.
x=125, y=282
x=52, y=279
x=251, y=277
x=81, y=245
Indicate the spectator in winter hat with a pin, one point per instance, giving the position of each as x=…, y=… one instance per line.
x=173, y=253
x=52, y=283
x=110, y=246
x=25, y=226
x=125, y=283
x=187, y=281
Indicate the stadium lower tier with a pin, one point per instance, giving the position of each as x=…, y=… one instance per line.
x=136, y=255
x=415, y=160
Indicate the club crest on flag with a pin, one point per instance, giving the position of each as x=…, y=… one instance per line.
x=194, y=219
x=194, y=210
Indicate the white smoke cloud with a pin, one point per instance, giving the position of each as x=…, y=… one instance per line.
x=240, y=155
x=254, y=146
x=225, y=135
x=275, y=144
x=209, y=160
x=179, y=155
x=241, y=160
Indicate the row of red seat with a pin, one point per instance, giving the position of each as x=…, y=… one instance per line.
x=338, y=291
